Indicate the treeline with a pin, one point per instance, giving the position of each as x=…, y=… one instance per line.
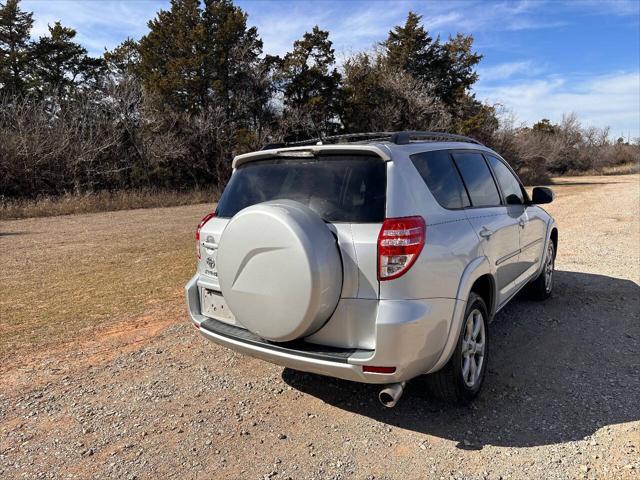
x=171, y=109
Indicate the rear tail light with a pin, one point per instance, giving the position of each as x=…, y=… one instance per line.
x=206, y=218
x=399, y=244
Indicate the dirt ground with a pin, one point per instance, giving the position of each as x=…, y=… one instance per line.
x=101, y=375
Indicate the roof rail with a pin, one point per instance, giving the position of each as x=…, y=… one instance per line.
x=404, y=138
x=399, y=138
x=345, y=138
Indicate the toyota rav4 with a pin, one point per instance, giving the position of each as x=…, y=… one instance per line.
x=375, y=258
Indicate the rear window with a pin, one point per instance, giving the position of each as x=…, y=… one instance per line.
x=338, y=188
x=440, y=174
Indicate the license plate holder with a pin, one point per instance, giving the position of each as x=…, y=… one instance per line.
x=215, y=306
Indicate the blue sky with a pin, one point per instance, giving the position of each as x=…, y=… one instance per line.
x=542, y=58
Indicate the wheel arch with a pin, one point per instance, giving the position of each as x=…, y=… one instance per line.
x=477, y=274
x=485, y=287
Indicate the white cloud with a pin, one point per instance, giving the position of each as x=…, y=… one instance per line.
x=488, y=16
x=279, y=30
x=607, y=7
x=349, y=29
x=506, y=70
x=98, y=24
x=357, y=26
x=612, y=100
x=527, y=24
x=437, y=21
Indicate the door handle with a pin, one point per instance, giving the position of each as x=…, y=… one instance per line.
x=485, y=233
x=209, y=245
x=522, y=223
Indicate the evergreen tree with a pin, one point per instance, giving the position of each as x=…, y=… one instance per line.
x=194, y=57
x=123, y=60
x=475, y=119
x=232, y=52
x=172, y=56
x=545, y=127
x=363, y=89
x=411, y=48
x=62, y=65
x=449, y=67
x=459, y=68
x=15, y=27
x=310, y=82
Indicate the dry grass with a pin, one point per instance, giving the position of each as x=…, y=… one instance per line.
x=626, y=169
x=60, y=275
x=102, y=202
x=623, y=169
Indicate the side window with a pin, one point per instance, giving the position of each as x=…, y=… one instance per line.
x=440, y=174
x=478, y=179
x=508, y=183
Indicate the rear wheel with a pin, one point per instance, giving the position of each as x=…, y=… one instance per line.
x=542, y=287
x=461, y=378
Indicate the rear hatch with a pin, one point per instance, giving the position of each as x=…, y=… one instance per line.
x=346, y=189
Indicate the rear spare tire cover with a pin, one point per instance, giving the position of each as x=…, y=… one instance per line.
x=279, y=269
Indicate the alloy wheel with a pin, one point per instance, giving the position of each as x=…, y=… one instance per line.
x=549, y=266
x=473, y=348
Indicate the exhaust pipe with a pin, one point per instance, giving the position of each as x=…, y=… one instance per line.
x=390, y=395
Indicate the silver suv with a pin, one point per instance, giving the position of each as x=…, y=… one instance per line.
x=375, y=258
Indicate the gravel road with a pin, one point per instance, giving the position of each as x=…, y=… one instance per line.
x=146, y=397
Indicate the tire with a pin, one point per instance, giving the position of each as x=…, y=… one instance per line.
x=542, y=287
x=450, y=383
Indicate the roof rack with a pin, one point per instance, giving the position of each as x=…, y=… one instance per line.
x=399, y=138
x=404, y=138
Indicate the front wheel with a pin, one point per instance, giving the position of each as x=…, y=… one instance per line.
x=461, y=378
x=542, y=287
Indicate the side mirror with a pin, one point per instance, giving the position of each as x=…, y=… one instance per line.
x=542, y=195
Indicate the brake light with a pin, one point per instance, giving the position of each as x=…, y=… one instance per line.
x=206, y=218
x=399, y=243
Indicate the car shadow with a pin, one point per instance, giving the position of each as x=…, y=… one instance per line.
x=559, y=370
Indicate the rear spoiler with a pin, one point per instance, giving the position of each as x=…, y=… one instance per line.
x=311, y=150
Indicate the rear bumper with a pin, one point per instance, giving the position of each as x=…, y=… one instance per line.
x=409, y=335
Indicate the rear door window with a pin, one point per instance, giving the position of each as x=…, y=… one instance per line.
x=508, y=182
x=339, y=188
x=441, y=176
x=478, y=179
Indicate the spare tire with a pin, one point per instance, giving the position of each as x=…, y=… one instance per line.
x=279, y=269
